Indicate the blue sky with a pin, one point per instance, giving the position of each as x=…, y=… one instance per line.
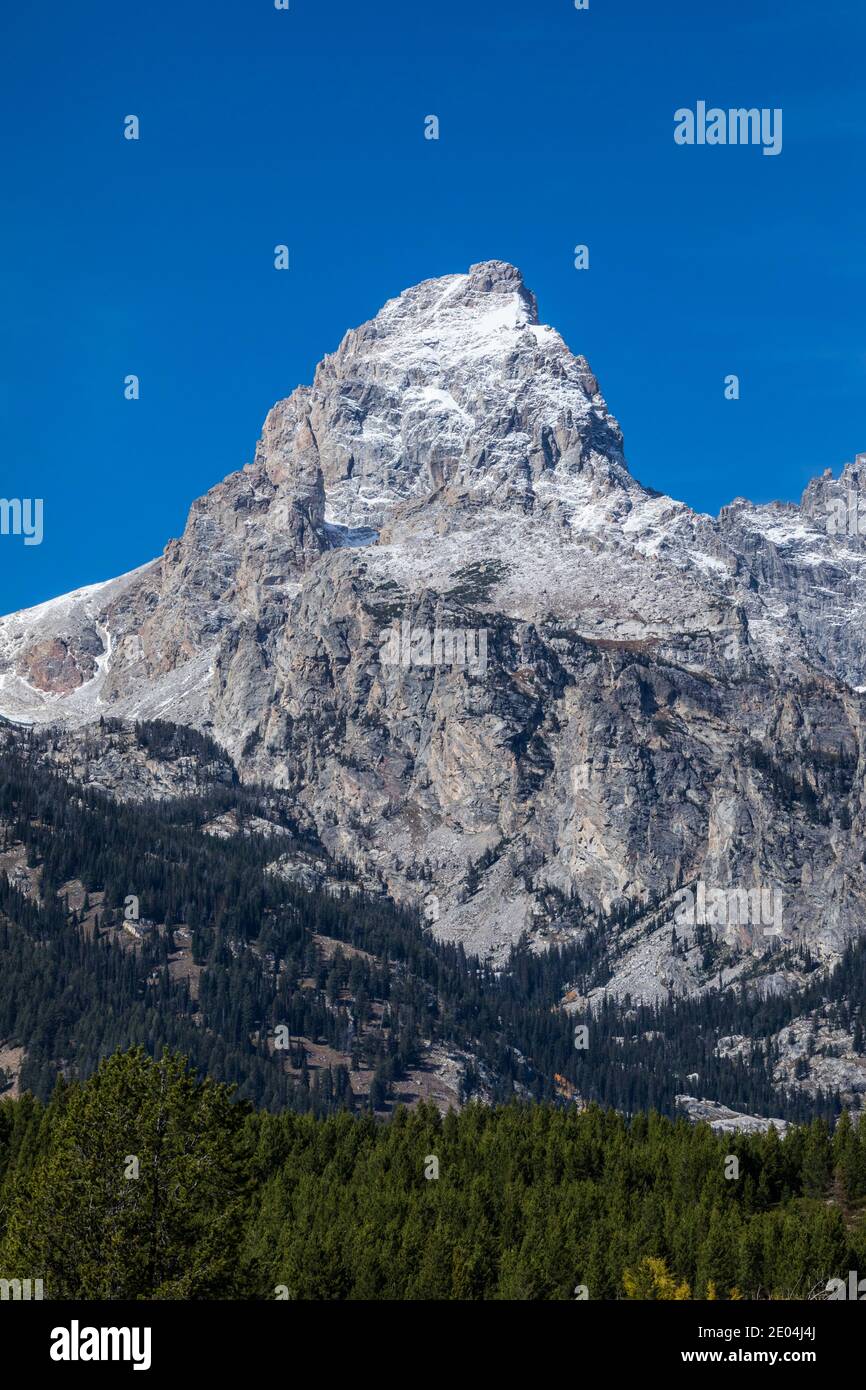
x=305, y=127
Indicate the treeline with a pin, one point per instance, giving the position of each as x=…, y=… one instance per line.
x=145, y=1183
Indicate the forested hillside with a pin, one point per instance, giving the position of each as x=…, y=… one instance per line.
x=142, y=1182
x=348, y=976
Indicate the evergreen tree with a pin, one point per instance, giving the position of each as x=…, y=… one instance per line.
x=140, y=1191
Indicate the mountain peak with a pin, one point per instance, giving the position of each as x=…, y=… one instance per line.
x=453, y=381
x=487, y=286
x=454, y=467
x=447, y=319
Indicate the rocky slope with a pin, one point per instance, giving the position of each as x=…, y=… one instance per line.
x=649, y=697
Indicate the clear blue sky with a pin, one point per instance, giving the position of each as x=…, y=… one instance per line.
x=261, y=126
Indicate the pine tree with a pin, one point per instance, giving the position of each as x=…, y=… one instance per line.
x=141, y=1190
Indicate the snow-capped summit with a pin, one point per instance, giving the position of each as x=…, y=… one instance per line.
x=655, y=684
x=453, y=382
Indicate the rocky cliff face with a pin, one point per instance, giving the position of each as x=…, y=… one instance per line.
x=492, y=669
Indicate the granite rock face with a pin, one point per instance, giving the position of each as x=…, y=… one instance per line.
x=514, y=686
x=723, y=1120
